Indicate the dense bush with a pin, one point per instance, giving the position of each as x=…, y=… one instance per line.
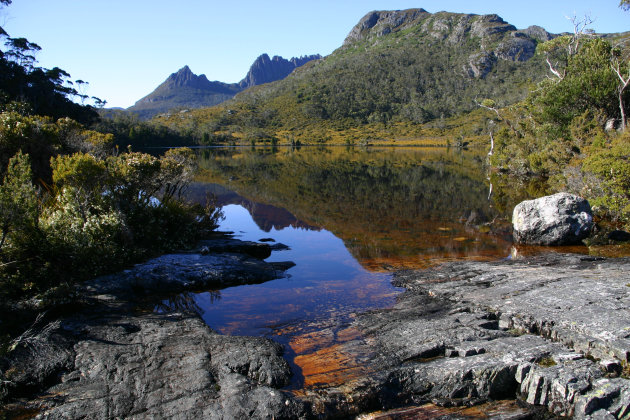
x=96, y=210
x=607, y=174
x=128, y=130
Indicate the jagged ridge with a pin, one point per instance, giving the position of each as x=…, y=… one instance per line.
x=265, y=70
x=184, y=89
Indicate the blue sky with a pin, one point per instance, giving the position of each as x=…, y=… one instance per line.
x=125, y=48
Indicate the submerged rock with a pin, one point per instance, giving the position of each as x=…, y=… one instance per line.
x=559, y=219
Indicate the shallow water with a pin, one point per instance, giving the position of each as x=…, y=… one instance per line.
x=308, y=310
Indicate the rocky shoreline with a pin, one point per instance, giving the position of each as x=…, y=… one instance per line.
x=115, y=357
x=552, y=332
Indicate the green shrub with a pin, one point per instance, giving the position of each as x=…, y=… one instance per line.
x=610, y=189
x=97, y=215
x=88, y=239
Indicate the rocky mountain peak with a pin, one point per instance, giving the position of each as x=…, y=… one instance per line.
x=494, y=38
x=384, y=22
x=185, y=89
x=265, y=69
x=538, y=33
x=185, y=77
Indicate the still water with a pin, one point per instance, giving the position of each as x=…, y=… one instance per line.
x=349, y=217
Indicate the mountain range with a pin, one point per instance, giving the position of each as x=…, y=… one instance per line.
x=184, y=89
x=400, y=73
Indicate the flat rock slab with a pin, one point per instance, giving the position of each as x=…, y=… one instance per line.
x=581, y=301
x=174, y=273
x=168, y=366
x=477, y=331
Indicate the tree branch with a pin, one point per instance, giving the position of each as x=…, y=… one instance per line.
x=554, y=71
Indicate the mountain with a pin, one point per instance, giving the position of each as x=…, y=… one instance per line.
x=265, y=70
x=395, y=68
x=184, y=89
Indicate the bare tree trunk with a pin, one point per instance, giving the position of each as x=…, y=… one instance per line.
x=623, y=111
x=624, y=82
x=554, y=71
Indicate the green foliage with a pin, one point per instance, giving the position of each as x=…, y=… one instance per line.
x=589, y=85
x=96, y=213
x=562, y=126
x=128, y=130
x=18, y=204
x=35, y=136
x=85, y=235
x=47, y=92
x=609, y=183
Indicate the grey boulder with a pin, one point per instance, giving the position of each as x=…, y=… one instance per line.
x=559, y=219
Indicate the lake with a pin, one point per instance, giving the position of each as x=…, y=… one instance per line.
x=349, y=217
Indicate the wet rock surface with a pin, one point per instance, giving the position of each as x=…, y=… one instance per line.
x=551, y=334
x=552, y=331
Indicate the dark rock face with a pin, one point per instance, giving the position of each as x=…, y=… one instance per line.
x=480, y=64
x=538, y=33
x=186, y=78
x=184, y=89
x=253, y=249
x=516, y=49
x=486, y=25
x=619, y=236
x=168, y=366
x=265, y=70
x=559, y=219
x=112, y=360
x=175, y=273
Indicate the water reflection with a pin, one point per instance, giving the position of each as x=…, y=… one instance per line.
x=393, y=208
x=267, y=217
x=311, y=310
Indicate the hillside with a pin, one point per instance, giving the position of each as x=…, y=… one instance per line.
x=184, y=89
x=395, y=68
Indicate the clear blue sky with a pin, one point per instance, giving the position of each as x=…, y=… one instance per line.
x=125, y=48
